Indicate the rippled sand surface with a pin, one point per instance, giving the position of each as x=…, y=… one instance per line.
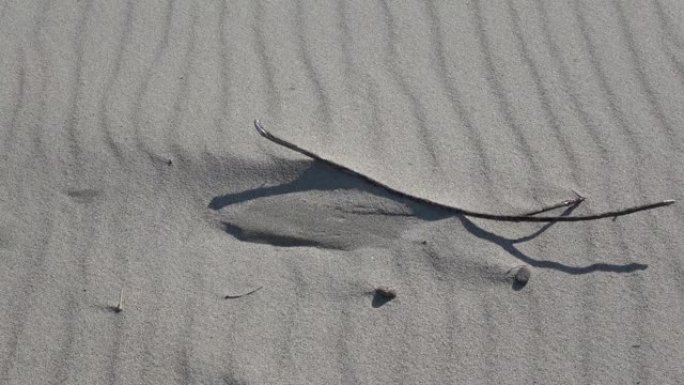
x=129, y=165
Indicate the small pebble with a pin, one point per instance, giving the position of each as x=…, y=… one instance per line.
x=523, y=275
x=387, y=293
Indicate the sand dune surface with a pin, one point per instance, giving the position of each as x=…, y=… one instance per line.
x=130, y=167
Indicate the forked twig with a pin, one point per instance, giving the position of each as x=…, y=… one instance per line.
x=456, y=210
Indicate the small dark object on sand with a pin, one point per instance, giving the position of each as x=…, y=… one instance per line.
x=119, y=307
x=382, y=295
x=233, y=296
x=386, y=292
x=523, y=275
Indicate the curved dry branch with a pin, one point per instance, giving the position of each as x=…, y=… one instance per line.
x=460, y=211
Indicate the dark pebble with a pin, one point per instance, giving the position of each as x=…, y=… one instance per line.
x=523, y=275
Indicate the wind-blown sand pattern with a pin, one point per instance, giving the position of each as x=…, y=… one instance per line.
x=129, y=160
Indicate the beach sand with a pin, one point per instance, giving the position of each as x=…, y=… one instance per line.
x=130, y=166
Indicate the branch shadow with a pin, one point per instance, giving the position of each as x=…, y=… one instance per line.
x=319, y=176
x=509, y=245
x=315, y=176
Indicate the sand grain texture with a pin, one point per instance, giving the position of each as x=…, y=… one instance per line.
x=129, y=160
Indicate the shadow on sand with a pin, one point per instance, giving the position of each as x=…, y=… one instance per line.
x=321, y=177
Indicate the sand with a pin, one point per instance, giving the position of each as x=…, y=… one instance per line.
x=129, y=161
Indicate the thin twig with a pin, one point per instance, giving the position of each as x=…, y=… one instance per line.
x=459, y=211
x=119, y=307
x=570, y=202
x=243, y=294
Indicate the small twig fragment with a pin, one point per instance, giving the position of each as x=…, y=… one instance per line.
x=119, y=307
x=229, y=296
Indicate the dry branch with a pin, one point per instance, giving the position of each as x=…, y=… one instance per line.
x=460, y=211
